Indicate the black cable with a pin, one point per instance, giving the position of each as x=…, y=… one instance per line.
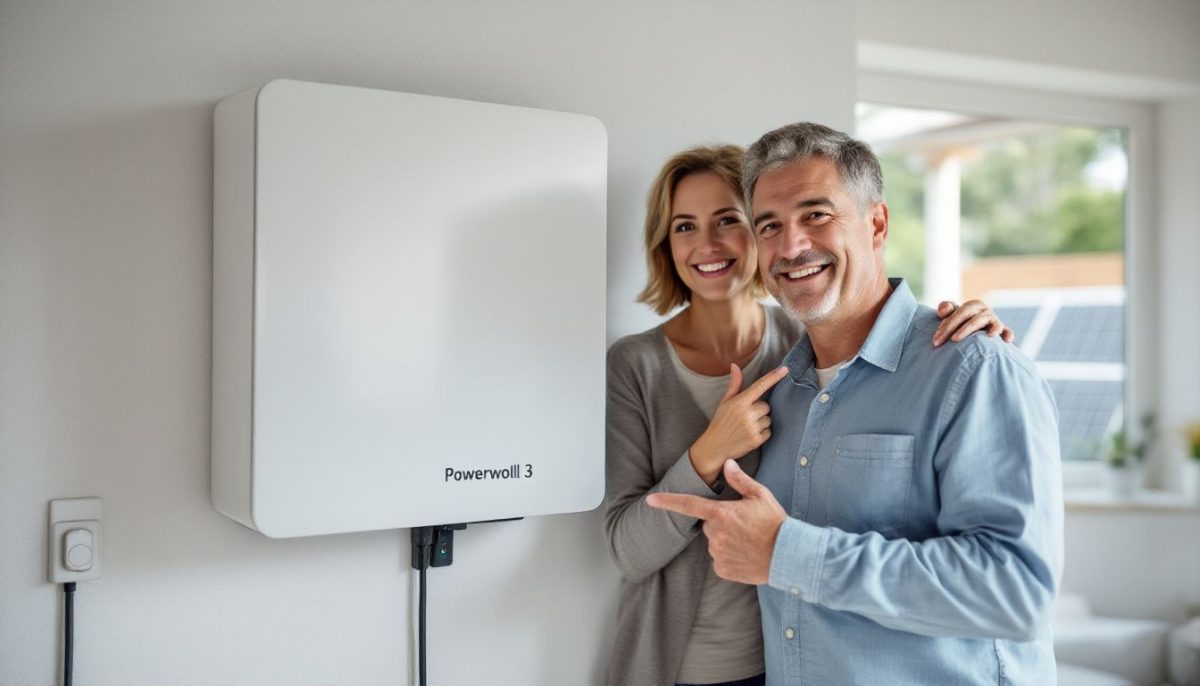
x=421, y=631
x=69, y=631
x=422, y=555
x=425, y=539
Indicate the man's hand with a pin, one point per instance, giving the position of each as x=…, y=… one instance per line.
x=741, y=423
x=741, y=533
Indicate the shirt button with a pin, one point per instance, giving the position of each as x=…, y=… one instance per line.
x=790, y=634
x=794, y=591
x=824, y=398
x=803, y=461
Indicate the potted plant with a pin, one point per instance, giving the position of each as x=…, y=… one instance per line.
x=1191, y=463
x=1124, y=459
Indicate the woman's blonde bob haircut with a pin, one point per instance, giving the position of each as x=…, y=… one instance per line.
x=665, y=289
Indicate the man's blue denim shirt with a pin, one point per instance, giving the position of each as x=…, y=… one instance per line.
x=923, y=488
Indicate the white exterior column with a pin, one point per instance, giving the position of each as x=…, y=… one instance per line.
x=943, y=228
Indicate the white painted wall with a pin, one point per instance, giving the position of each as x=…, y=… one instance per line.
x=105, y=213
x=1179, y=277
x=1156, y=39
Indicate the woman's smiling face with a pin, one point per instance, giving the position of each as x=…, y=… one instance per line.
x=711, y=245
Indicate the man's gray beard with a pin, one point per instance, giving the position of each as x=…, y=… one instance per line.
x=815, y=314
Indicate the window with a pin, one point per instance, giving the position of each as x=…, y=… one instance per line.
x=1030, y=216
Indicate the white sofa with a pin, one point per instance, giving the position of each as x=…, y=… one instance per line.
x=1183, y=654
x=1099, y=651
x=1071, y=675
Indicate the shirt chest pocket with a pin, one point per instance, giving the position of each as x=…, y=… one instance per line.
x=868, y=490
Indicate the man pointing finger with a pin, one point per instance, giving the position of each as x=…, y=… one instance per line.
x=904, y=525
x=741, y=533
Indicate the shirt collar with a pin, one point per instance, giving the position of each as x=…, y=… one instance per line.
x=883, y=346
x=886, y=340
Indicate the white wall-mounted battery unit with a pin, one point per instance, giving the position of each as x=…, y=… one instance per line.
x=408, y=310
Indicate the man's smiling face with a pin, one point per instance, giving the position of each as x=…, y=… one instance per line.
x=819, y=252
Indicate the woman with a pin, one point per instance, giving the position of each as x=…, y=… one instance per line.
x=673, y=419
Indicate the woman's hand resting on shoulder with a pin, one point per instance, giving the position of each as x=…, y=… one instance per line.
x=960, y=321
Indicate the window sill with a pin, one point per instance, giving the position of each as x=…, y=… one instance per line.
x=1103, y=500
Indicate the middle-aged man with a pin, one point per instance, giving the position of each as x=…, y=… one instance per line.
x=906, y=527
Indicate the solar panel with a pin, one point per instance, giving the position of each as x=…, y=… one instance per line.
x=1081, y=354
x=1085, y=410
x=1017, y=318
x=1086, y=333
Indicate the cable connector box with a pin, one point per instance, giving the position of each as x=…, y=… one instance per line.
x=433, y=546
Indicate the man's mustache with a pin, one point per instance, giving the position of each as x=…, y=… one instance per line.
x=808, y=258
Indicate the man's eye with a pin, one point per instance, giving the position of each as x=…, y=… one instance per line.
x=819, y=215
x=684, y=227
x=770, y=227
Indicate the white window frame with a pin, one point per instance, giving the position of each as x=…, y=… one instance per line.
x=1141, y=231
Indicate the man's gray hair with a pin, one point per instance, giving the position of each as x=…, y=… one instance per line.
x=854, y=160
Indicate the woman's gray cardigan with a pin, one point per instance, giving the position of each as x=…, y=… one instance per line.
x=652, y=421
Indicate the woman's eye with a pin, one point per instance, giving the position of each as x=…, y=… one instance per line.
x=727, y=221
x=684, y=227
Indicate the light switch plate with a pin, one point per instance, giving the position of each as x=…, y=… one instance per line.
x=67, y=515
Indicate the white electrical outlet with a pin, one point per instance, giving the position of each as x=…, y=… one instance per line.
x=76, y=535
